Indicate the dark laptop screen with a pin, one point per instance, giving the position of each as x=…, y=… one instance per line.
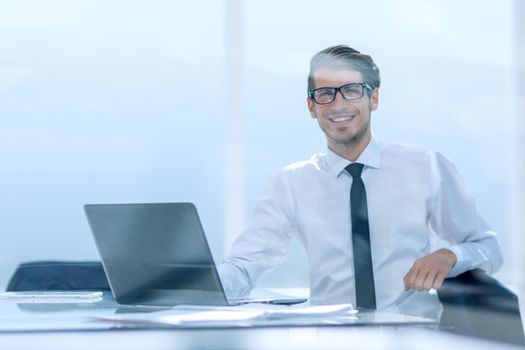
x=155, y=254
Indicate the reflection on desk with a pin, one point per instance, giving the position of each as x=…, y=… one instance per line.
x=300, y=338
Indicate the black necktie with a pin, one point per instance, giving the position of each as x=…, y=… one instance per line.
x=364, y=274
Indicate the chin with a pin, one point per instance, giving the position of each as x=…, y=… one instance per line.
x=347, y=139
x=343, y=140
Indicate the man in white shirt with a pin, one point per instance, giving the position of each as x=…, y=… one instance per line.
x=409, y=194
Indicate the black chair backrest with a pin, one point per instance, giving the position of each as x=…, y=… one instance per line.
x=58, y=275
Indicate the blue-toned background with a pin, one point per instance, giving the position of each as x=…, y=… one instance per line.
x=126, y=101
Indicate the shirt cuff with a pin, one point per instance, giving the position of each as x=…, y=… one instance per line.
x=462, y=264
x=234, y=286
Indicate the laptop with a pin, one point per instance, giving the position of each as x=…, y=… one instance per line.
x=157, y=254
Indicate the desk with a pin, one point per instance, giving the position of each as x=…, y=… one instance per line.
x=31, y=317
x=67, y=326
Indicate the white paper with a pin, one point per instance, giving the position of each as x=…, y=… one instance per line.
x=194, y=315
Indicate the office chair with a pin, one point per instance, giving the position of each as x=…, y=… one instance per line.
x=477, y=305
x=58, y=275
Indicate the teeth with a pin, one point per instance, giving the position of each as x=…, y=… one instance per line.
x=342, y=119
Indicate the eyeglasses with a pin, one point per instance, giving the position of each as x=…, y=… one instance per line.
x=352, y=91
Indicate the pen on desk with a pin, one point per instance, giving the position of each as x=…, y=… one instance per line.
x=284, y=301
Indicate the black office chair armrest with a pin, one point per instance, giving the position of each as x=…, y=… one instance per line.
x=478, y=290
x=478, y=305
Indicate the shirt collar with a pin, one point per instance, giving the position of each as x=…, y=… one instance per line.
x=371, y=157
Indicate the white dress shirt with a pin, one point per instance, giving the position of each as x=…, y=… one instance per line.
x=411, y=194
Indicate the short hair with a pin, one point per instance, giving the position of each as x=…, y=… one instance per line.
x=345, y=57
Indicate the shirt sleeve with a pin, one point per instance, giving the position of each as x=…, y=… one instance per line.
x=454, y=217
x=265, y=242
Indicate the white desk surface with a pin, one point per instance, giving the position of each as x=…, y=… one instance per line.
x=31, y=317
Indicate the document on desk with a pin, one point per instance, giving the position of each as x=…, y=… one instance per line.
x=199, y=316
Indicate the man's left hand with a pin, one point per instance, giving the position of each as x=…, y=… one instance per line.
x=430, y=271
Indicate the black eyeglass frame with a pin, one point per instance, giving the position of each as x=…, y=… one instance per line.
x=367, y=86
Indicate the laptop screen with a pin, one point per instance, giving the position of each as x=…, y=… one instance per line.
x=155, y=254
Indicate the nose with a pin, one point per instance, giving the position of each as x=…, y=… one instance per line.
x=339, y=99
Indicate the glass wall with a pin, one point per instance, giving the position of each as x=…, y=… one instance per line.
x=106, y=102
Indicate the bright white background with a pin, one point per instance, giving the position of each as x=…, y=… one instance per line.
x=125, y=101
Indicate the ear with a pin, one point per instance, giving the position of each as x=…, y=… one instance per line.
x=374, y=99
x=311, y=107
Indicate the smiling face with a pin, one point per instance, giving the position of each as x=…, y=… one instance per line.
x=346, y=123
